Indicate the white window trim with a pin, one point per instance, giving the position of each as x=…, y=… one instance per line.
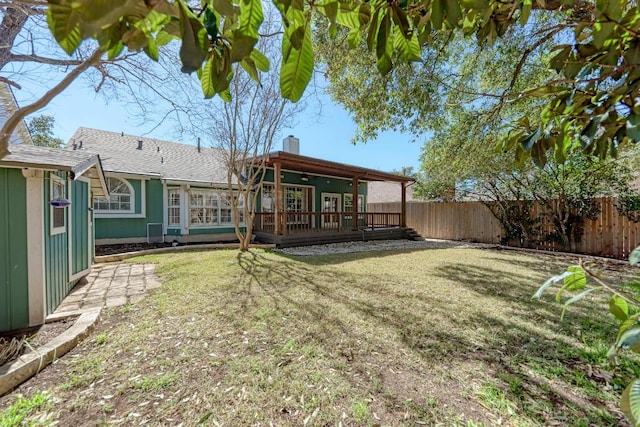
x=55, y=179
x=179, y=206
x=189, y=208
x=187, y=211
x=312, y=187
x=130, y=213
x=344, y=201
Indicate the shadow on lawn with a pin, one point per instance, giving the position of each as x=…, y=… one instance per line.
x=507, y=338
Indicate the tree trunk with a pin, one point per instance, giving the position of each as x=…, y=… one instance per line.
x=12, y=23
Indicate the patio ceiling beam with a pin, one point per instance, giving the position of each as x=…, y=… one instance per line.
x=311, y=165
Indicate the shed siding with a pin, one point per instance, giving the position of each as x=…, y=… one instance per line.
x=14, y=293
x=56, y=249
x=80, y=223
x=110, y=228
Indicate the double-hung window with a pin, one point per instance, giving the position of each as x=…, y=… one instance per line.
x=58, y=215
x=173, y=206
x=203, y=208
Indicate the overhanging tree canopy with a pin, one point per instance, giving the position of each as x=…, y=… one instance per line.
x=593, y=101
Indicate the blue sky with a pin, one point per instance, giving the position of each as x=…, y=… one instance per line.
x=326, y=136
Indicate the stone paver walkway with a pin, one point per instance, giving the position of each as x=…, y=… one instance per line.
x=109, y=285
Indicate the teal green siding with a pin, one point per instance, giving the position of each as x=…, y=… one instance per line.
x=14, y=291
x=80, y=229
x=56, y=250
x=111, y=228
x=322, y=184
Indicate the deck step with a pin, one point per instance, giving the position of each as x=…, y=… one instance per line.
x=411, y=234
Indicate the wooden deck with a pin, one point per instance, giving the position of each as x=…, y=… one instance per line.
x=312, y=228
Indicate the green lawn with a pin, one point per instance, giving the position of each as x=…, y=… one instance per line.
x=398, y=338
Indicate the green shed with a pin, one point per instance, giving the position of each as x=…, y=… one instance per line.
x=46, y=229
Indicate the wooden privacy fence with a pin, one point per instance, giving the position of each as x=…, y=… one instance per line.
x=611, y=235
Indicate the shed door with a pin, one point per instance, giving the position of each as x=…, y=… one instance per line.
x=80, y=227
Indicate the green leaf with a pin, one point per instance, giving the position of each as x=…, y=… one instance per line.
x=250, y=17
x=560, y=59
x=250, y=67
x=619, y=308
x=211, y=23
x=634, y=257
x=400, y=18
x=576, y=280
x=408, y=48
x=437, y=12
x=630, y=401
x=574, y=300
x=364, y=14
x=297, y=37
x=348, y=17
x=529, y=141
x=261, y=61
x=633, y=127
x=64, y=24
x=630, y=339
x=193, y=50
x=206, y=79
x=331, y=11
x=98, y=14
x=242, y=46
x=383, y=46
x=297, y=66
x=373, y=29
x=525, y=12
x=354, y=38
x=454, y=14
x=225, y=7
x=601, y=32
x=151, y=49
x=546, y=285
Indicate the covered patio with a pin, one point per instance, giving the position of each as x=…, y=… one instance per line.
x=336, y=218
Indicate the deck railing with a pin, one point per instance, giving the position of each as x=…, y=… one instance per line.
x=317, y=222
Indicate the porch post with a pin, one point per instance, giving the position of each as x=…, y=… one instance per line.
x=354, y=204
x=403, y=208
x=278, y=208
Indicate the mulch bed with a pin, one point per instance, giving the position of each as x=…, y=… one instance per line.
x=23, y=342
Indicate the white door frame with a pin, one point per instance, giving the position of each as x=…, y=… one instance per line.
x=333, y=219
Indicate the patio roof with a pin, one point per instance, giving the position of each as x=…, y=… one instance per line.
x=310, y=165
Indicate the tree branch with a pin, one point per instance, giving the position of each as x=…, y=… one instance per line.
x=21, y=113
x=44, y=60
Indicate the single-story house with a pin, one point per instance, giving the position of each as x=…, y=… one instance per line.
x=166, y=191
x=46, y=229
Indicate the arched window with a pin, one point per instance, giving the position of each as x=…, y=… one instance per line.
x=120, y=197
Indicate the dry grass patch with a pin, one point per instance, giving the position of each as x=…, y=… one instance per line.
x=430, y=337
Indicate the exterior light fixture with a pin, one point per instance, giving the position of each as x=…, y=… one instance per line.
x=304, y=177
x=60, y=203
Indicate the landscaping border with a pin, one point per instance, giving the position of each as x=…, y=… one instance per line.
x=14, y=373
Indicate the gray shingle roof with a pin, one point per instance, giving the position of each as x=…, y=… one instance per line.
x=77, y=162
x=7, y=107
x=165, y=159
